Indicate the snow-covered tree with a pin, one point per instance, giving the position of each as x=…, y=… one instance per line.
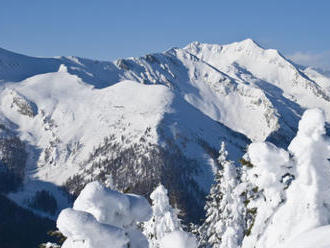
x=164, y=219
x=266, y=173
x=224, y=224
x=306, y=203
x=102, y=218
x=291, y=188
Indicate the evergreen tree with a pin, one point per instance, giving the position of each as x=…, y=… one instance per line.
x=164, y=219
x=224, y=224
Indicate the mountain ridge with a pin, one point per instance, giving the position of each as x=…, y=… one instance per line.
x=161, y=116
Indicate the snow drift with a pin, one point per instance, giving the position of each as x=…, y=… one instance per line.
x=178, y=239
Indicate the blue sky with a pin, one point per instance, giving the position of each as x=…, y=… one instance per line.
x=106, y=29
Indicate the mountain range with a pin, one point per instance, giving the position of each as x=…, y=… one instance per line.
x=137, y=122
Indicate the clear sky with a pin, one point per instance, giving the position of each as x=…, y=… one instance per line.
x=107, y=29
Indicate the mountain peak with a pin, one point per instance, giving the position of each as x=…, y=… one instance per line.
x=249, y=42
x=246, y=44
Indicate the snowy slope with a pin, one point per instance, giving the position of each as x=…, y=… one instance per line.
x=287, y=90
x=63, y=120
x=213, y=78
x=317, y=237
x=135, y=122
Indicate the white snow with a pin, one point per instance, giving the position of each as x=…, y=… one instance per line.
x=295, y=214
x=269, y=163
x=112, y=207
x=101, y=216
x=261, y=74
x=224, y=223
x=315, y=238
x=83, y=230
x=178, y=239
x=283, y=214
x=164, y=218
x=238, y=84
x=319, y=78
x=72, y=118
x=62, y=68
x=70, y=123
x=75, y=103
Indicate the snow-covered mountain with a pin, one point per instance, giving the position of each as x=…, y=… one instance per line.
x=135, y=122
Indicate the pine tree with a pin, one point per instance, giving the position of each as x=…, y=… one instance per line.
x=224, y=224
x=164, y=219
